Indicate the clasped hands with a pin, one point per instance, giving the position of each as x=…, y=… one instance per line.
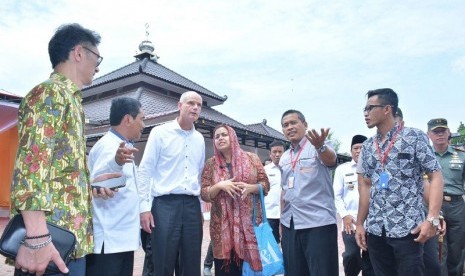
x=234, y=189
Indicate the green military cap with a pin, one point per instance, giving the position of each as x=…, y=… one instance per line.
x=437, y=123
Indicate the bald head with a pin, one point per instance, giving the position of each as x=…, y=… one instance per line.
x=187, y=95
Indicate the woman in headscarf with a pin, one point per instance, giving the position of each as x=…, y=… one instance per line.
x=230, y=179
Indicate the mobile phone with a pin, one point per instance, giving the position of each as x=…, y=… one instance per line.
x=112, y=183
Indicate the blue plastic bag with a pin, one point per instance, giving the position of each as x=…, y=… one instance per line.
x=270, y=253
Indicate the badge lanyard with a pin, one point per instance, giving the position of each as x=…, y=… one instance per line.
x=294, y=162
x=386, y=153
x=384, y=179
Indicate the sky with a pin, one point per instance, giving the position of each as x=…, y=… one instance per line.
x=319, y=57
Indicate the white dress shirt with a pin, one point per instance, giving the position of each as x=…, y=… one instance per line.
x=116, y=220
x=172, y=163
x=273, y=199
x=345, y=186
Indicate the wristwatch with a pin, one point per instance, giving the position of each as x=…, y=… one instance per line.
x=434, y=221
x=322, y=149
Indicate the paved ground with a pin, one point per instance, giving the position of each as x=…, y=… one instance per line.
x=6, y=270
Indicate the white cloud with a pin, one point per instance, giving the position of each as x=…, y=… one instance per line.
x=334, y=51
x=458, y=64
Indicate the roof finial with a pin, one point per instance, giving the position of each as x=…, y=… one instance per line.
x=146, y=47
x=147, y=26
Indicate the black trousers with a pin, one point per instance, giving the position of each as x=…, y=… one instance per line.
x=431, y=257
x=454, y=240
x=232, y=268
x=208, y=262
x=274, y=223
x=177, y=235
x=354, y=259
x=396, y=256
x=311, y=251
x=114, y=264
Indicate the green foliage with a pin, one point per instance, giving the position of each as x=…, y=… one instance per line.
x=459, y=141
x=334, y=141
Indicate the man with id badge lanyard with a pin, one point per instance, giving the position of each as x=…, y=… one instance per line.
x=346, y=196
x=116, y=221
x=309, y=230
x=391, y=190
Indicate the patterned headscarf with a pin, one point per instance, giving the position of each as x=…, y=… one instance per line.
x=238, y=233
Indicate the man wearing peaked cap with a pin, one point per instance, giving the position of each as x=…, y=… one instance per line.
x=346, y=198
x=437, y=123
x=453, y=205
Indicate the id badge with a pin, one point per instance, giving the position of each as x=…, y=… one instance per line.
x=383, y=180
x=290, y=183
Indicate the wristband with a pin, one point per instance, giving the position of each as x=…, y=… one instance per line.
x=38, y=245
x=37, y=237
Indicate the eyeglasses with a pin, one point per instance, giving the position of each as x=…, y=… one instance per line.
x=99, y=58
x=369, y=107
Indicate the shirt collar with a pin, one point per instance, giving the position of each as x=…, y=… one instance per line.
x=119, y=135
x=390, y=133
x=301, y=143
x=178, y=127
x=449, y=150
x=69, y=83
x=273, y=165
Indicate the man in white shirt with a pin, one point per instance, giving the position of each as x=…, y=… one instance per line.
x=346, y=199
x=170, y=207
x=116, y=220
x=273, y=199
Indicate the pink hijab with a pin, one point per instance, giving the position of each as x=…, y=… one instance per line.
x=237, y=233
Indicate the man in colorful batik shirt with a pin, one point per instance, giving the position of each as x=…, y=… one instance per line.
x=51, y=180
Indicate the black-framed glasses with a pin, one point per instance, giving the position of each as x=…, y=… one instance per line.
x=99, y=58
x=369, y=107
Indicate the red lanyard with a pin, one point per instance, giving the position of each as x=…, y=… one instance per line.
x=294, y=162
x=386, y=153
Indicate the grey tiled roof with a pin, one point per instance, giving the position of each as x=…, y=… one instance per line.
x=264, y=129
x=155, y=70
x=216, y=116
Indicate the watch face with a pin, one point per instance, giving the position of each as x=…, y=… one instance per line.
x=435, y=222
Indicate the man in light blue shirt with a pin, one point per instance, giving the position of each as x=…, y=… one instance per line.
x=173, y=159
x=309, y=230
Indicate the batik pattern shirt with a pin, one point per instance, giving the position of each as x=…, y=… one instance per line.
x=50, y=170
x=397, y=208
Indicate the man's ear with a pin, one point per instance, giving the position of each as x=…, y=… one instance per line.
x=76, y=54
x=127, y=119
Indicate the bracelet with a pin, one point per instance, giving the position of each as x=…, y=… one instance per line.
x=37, y=237
x=38, y=245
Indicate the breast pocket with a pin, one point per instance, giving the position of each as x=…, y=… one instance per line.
x=307, y=165
x=406, y=164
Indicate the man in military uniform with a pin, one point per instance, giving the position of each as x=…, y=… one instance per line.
x=453, y=205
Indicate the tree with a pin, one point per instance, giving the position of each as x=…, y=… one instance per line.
x=460, y=140
x=334, y=141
